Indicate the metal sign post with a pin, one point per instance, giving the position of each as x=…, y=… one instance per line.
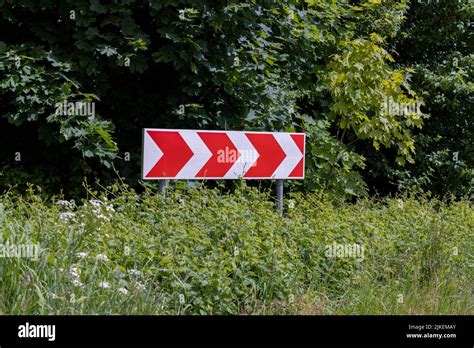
x=162, y=187
x=212, y=154
x=279, y=189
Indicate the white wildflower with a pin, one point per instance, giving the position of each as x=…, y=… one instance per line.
x=96, y=202
x=74, y=272
x=139, y=286
x=54, y=296
x=82, y=254
x=101, y=210
x=67, y=216
x=77, y=282
x=134, y=272
x=66, y=204
x=101, y=257
x=104, y=285
x=102, y=217
x=123, y=291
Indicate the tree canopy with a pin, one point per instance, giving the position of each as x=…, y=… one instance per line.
x=324, y=67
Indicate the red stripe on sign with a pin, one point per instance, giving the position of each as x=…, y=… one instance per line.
x=298, y=171
x=271, y=155
x=224, y=154
x=176, y=153
x=299, y=141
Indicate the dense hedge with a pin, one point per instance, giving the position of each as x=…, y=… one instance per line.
x=322, y=67
x=202, y=251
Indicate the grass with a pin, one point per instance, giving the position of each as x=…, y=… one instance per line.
x=207, y=252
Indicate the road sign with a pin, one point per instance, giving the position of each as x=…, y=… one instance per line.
x=205, y=154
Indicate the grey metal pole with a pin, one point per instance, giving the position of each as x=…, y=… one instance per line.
x=162, y=187
x=279, y=192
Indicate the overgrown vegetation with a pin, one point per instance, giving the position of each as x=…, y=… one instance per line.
x=435, y=40
x=322, y=67
x=204, y=251
x=328, y=68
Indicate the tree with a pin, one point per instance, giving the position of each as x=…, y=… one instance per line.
x=436, y=42
x=317, y=66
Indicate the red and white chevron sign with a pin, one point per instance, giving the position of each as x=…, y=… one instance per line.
x=202, y=154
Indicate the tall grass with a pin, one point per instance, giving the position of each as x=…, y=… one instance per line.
x=206, y=252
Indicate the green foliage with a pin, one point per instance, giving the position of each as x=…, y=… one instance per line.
x=364, y=66
x=33, y=83
x=259, y=65
x=201, y=252
x=332, y=166
x=436, y=41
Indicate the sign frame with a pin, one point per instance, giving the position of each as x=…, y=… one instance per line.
x=144, y=130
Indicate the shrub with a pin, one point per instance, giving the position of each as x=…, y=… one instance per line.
x=200, y=251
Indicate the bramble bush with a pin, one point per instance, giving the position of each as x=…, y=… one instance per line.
x=199, y=251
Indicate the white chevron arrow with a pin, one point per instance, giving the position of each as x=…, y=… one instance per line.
x=152, y=155
x=293, y=155
x=201, y=155
x=248, y=155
